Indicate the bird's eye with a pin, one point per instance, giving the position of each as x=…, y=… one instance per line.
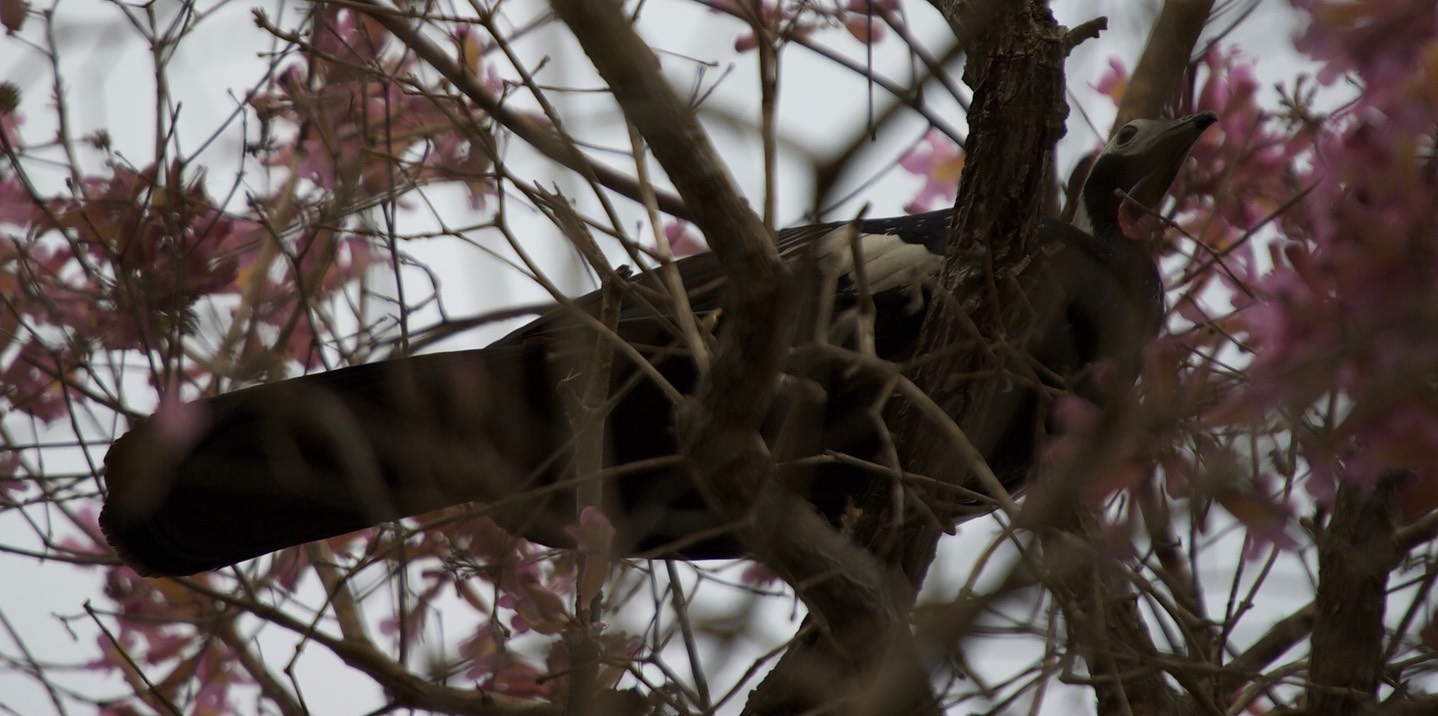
x=1127, y=134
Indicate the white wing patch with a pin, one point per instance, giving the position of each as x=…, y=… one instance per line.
x=889, y=261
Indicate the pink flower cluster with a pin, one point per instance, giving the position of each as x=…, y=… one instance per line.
x=535, y=589
x=1343, y=326
x=135, y=260
x=940, y=162
x=128, y=261
x=353, y=121
x=1315, y=253
x=1245, y=174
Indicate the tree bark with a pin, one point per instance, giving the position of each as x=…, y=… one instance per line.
x=1015, y=66
x=1016, y=69
x=1355, y=554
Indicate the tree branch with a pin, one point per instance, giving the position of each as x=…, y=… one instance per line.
x=1355, y=553
x=1164, y=60
x=1015, y=69
x=841, y=585
x=1017, y=75
x=536, y=135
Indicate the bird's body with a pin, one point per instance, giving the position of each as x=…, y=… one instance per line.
x=312, y=457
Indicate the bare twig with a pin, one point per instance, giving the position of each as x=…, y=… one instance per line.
x=537, y=136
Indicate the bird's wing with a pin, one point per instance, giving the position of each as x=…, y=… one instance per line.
x=900, y=255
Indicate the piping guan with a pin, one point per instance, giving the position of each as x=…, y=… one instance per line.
x=308, y=458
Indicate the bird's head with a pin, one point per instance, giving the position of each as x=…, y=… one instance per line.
x=1134, y=171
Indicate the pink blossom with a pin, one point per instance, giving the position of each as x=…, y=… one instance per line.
x=1348, y=309
x=178, y=424
x=10, y=122
x=520, y=680
x=1377, y=38
x=36, y=380
x=864, y=18
x=758, y=574
x=351, y=38
x=11, y=486
x=536, y=607
x=85, y=544
x=485, y=652
x=683, y=239
x=940, y=162
x=16, y=206
x=1114, y=81
x=864, y=29
x=593, y=536
x=594, y=532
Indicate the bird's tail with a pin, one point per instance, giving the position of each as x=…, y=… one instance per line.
x=225, y=479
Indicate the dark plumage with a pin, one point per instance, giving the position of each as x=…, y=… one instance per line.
x=275, y=465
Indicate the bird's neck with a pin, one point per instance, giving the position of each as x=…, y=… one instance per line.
x=1103, y=216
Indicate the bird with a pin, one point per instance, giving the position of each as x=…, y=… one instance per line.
x=228, y=478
